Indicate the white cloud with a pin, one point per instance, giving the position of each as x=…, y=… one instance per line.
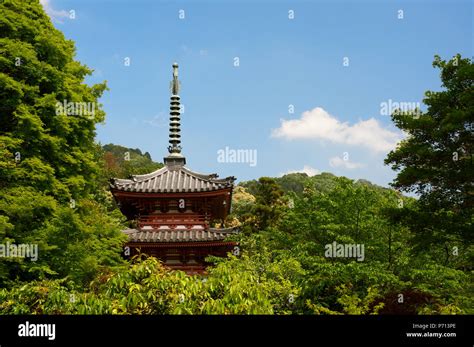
x=306, y=169
x=318, y=124
x=347, y=164
x=55, y=15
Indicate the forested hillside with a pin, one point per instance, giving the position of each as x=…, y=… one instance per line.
x=121, y=162
x=413, y=256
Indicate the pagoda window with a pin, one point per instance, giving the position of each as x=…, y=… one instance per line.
x=164, y=206
x=173, y=257
x=147, y=207
x=183, y=257
x=194, y=206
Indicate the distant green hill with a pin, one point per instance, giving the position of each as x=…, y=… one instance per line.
x=296, y=182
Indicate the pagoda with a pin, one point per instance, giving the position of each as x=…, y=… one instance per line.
x=173, y=209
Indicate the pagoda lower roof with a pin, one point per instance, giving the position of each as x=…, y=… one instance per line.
x=171, y=179
x=168, y=235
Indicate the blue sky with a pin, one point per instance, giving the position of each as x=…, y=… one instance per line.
x=336, y=62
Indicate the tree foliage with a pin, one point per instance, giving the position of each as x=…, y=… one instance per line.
x=49, y=173
x=436, y=159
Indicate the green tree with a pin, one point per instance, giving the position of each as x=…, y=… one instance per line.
x=436, y=159
x=49, y=174
x=269, y=203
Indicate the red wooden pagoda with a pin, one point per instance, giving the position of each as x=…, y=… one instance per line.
x=173, y=208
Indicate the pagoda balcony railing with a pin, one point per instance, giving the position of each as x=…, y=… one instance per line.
x=172, y=220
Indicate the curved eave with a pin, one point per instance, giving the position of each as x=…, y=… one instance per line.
x=181, y=244
x=183, y=194
x=148, y=175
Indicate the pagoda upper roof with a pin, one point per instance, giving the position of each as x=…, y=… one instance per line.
x=172, y=179
x=166, y=235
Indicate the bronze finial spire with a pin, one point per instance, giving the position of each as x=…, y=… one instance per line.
x=175, y=85
x=175, y=157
